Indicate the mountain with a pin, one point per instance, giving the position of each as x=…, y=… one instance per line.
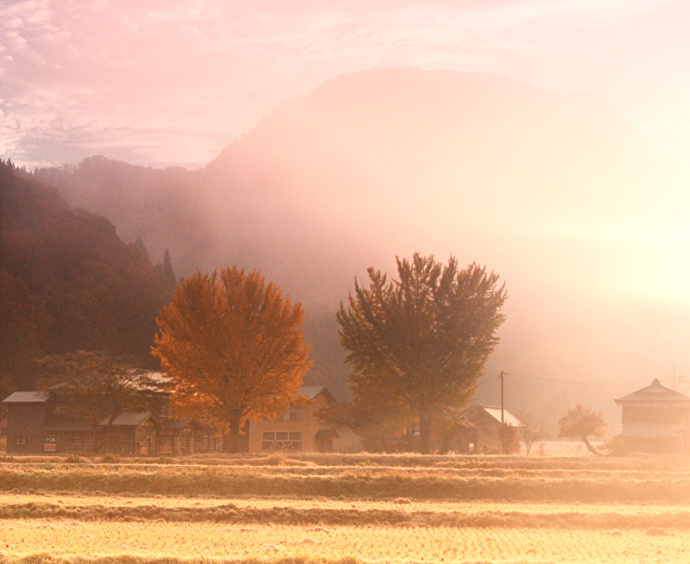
x=69, y=282
x=555, y=191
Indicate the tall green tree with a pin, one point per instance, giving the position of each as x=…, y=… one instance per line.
x=424, y=338
x=234, y=349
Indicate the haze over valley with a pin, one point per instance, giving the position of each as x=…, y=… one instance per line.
x=581, y=216
x=547, y=141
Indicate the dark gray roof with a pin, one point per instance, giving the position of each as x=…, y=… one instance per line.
x=176, y=424
x=312, y=391
x=27, y=397
x=655, y=392
x=128, y=419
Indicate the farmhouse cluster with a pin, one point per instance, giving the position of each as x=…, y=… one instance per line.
x=35, y=423
x=654, y=419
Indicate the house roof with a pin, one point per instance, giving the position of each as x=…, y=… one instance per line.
x=655, y=392
x=495, y=412
x=312, y=391
x=176, y=424
x=128, y=419
x=27, y=397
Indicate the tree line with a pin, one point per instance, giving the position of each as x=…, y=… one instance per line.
x=68, y=283
x=230, y=343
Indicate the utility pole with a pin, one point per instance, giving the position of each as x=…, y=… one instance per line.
x=502, y=416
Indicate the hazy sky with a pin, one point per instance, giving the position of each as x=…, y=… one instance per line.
x=173, y=82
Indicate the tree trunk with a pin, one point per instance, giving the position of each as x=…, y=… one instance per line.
x=231, y=439
x=99, y=444
x=424, y=432
x=590, y=448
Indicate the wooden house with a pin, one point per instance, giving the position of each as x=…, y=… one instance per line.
x=26, y=416
x=656, y=419
x=63, y=434
x=131, y=433
x=36, y=424
x=177, y=436
x=481, y=430
x=207, y=439
x=298, y=429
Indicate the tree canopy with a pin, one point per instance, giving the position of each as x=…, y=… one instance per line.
x=95, y=386
x=421, y=341
x=234, y=349
x=68, y=282
x=581, y=423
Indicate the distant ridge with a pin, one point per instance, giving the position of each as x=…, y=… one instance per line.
x=549, y=189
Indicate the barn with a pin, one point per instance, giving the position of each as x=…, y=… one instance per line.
x=656, y=419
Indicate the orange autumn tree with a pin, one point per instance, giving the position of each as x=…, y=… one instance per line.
x=233, y=348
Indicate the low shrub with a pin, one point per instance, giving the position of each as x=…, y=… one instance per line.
x=617, y=446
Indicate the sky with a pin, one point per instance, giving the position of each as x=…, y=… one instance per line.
x=169, y=82
x=166, y=82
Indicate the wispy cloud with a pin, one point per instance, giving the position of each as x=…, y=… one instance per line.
x=208, y=69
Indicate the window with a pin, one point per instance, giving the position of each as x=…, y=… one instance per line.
x=88, y=439
x=186, y=436
x=167, y=409
x=282, y=440
x=76, y=439
x=295, y=413
x=295, y=441
x=20, y=440
x=268, y=441
x=49, y=443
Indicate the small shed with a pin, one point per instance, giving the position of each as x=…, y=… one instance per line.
x=177, y=436
x=656, y=419
x=131, y=433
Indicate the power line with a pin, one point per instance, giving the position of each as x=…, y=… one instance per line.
x=602, y=384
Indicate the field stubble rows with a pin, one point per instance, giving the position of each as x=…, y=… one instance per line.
x=377, y=543
x=293, y=511
x=367, y=482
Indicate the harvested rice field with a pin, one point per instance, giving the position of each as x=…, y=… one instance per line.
x=336, y=509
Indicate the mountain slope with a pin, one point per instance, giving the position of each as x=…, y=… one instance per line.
x=69, y=282
x=583, y=219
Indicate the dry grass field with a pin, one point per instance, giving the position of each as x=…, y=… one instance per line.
x=343, y=509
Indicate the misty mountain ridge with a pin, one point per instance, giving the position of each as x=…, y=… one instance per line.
x=373, y=147
x=69, y=283
x=542, y=187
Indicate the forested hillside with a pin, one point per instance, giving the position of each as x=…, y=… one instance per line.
x=556, y=192
x=69, y=282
